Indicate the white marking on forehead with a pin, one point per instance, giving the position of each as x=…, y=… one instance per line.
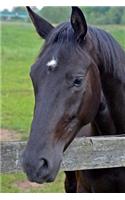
x=52, y=63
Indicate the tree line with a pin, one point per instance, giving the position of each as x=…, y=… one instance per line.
x=94, y=15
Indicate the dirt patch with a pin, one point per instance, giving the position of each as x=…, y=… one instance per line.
x=7, y=135
x=25, y=185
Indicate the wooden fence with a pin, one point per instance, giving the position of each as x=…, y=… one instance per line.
x=83, y=153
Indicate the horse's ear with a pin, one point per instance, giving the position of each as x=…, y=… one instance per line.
x=78, y=23
x=43, y=27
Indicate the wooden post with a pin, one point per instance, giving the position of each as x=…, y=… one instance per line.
x=83, y=153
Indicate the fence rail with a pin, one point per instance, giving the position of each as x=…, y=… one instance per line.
x=83, y=153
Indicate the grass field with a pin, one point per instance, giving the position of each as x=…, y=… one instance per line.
x=17, y=183
x=20, y=46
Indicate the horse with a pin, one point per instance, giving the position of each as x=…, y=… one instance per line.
x=102, y=122
x=79, y=81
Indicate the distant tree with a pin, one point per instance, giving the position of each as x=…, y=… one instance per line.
x=35, y=9
x=115, y=15
x=5, y=10
x=19, y=9
x=56, y=14
x=94, y=15
x=101, y=10
x=123, y=17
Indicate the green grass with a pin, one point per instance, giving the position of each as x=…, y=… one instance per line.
x=13, y=183
x=20, y=46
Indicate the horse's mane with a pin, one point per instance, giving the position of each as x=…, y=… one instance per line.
x=110, y=53
x=62, y=34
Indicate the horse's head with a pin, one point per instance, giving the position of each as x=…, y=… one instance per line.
x=67, y=93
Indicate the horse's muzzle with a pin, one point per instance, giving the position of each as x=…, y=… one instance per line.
x=40, y=171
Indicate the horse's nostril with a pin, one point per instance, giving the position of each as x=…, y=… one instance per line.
x=43, y=168
x=43, y=163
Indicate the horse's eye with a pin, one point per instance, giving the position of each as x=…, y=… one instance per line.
x=77, y=81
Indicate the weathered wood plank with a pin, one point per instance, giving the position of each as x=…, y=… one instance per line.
x=10, y=156
x=83, y=153
x=94, y=153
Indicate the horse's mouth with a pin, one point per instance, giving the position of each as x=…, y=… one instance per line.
x=41, y=180
x=48, y=180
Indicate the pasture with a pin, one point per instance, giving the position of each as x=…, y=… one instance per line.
x=20, y=46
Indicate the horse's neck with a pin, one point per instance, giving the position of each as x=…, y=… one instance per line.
x=103, y=123
x=111, y=64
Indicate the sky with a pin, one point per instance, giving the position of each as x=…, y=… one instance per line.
x=2, y=7
x=8, y=4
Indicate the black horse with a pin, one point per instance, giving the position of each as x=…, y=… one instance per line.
x=78, y=80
